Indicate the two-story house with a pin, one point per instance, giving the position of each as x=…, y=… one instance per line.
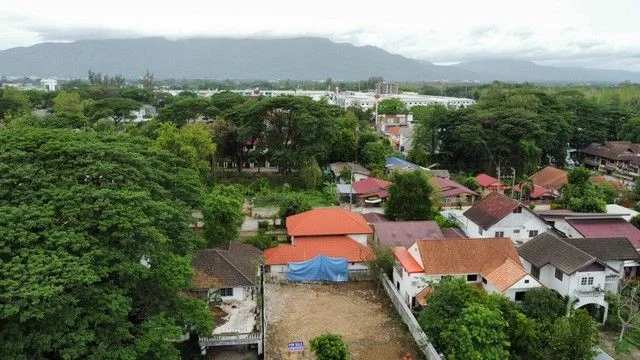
x=565, y=267
x=491, y=264
x=500, y=216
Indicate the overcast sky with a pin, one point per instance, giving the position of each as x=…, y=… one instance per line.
x=591, y=33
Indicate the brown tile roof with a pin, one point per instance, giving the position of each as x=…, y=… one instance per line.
x=486, y=256
x=229, y=265
x=550, y=178
x=604, y=249
x=547, y=248
x=491, y=209
x=405, y=233
x=327, y=221
x=612, y=150
x=374, y=217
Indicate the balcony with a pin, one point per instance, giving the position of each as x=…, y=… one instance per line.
x=589, y=292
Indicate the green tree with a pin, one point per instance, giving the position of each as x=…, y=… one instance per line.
x=292, y=205
x=392, y=106
x=477, y=334
x=187, y=109
x=193, y=142
x=543, y=304
x=626, y=303
x=574, y=337
x=375, y=153
x=449, y=297
x=96, y=247
x=635, y=221
x=630, y=131
x=410, y=197
x=69, y=109
x=223, y=215
x=329, y=346
x=115, y=108
x=104, y=125
x=13, y=103
x=311, y=174
x=227, y=100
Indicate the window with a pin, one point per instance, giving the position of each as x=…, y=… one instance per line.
x=587, y=280
x=516, y=231
x=533, y=233
x=520, y=295
x=535, y=271
x=226, y=292
x=473, y=277
x=480, y=231
x=526, y=281
x=484, y=280
x=558, y=274
x=517, y=210
x=499, y=234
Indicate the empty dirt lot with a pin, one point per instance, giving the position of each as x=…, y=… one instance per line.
x=358, y=311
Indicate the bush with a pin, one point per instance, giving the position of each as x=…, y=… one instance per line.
x=443, y=222
x=263, y=225
x=262, y=240
x=329, y=346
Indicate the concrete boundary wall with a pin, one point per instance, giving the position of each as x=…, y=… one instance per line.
x=407, y=317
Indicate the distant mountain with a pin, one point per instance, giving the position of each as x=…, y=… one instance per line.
x=268, y=59
x=214, y=58
x=515, y=70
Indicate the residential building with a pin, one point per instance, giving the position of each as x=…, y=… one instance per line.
x=50, y=84
x=452, y=193
x=401, y=165
x=622, y=157
x=385, y=122
x=387, y=88
x=371, y=191
x=405, y=140
x=228, y=271
x=491, y=264
x=536, y=192
x=404, y=233
x=564, y=266
x=550, y=178
x=328, y=222
x=601, y=227
x=358, y=172
x=374, y=217
x=489, y=184
x=500, y=216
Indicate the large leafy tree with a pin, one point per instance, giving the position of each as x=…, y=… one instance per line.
x=410, y=197
x=223, y=215
x=188, y=109
x=115, y=108
x=574, y=337
x=13, y=103
x=192, y=142
x=543, y=304
x=392, y=106
x=95, y=248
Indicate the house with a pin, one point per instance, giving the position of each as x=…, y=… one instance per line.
x=333, y=233
x=401, y=165
x=358, y=172
x=550, y=178
x=536, y=193
x=49, y=85
x=371, y=191
x=492, y=264
x=500, y=216
x=228, y=271
x=393, y=134
x=143, y=114
x=489, y=184
x=404, y=233
x=622, y=157
x=453, y=193
x=601, y=227
x=405, y=140
x=564, y=266
x=374, y=217
x=392, y=120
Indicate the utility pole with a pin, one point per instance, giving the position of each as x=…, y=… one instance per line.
x=513, y=180
x=498, y=171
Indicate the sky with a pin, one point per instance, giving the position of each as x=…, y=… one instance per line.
x=589, y=33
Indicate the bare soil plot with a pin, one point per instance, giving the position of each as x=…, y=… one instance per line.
x=358, y=311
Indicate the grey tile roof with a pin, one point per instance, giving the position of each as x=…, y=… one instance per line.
x=232, y=264
x=405, y=233
x=618, y=248
x=549, y=249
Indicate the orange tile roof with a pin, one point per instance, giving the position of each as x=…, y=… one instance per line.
x=407, y=261
x=327, y=221
x=395, y=130
x=486, y=256
x=550, y=177
x=308, y=248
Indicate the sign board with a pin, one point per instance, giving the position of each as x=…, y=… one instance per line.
x=296, y=346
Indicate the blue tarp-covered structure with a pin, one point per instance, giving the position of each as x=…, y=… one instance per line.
x=320, y=268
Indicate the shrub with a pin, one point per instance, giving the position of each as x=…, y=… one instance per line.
x=329, y=346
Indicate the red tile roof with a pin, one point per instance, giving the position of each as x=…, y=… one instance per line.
x=407, y=261
x=327, y=221
x=487, y=181
x=607, y=228
x=450, y=188
x=538, y=191
x=491, y=209
x=308, y=248
x=371, y=187
x=550, y=177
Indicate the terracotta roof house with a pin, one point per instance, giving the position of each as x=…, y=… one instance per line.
x=491, y=263
x=371, y=190
x=331, y=232
x=582, y=268
x=453, y=193
x=538, y=193
x=405, y=233
x=489, y=184
x=229, y=270
x=551, y=178
x=500, y=216
x=614, y=156
x=328, y=221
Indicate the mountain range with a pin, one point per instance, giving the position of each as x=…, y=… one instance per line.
x=270, y=59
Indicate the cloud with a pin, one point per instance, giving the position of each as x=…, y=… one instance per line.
x=58, y=33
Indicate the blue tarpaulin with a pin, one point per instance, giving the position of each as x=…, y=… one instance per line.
x=320, y=268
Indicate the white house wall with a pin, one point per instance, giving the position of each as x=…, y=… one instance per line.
x=527, y=283
x=360, y=238
x=522, y=222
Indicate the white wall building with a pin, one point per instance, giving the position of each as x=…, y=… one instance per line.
x=50, y=84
